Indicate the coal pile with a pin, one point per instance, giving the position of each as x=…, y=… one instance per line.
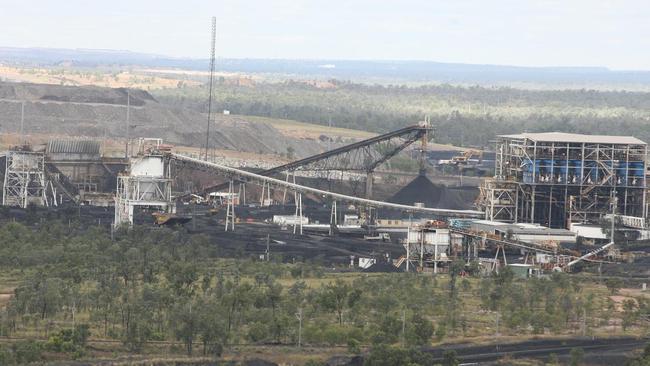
x=422, y=190
x=382, y=267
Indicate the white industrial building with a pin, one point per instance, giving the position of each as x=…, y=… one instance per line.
x=523, y=232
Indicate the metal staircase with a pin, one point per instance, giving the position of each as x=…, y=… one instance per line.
x=609, y=174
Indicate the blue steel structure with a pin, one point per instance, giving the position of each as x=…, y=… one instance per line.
x=556, y=178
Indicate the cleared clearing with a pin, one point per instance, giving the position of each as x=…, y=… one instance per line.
x=298, y=129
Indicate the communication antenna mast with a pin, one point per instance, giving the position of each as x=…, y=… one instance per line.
x=214, y=37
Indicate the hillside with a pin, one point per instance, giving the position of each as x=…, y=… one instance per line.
x=101, y=112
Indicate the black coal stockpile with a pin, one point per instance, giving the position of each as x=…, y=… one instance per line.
x=382, y=267
x=421, y=189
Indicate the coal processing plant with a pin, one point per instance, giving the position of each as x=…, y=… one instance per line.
x=555, y=179
x=548, y=193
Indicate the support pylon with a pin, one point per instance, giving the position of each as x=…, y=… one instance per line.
x=333, y=218
x=242, y=193
x=298, y=214
x=230, y=209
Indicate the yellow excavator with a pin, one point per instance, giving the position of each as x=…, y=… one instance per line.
x=169, y=219
x=468, y=160
x=464, y=159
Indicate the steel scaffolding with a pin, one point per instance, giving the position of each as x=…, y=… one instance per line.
x=499, y=200
x=557, y=178
x=24, y=181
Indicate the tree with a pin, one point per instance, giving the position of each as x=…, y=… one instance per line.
x=26, y=352
x=137, y=334
x=136, y=319
x=41, y=294
x=103, y=298
x=455, y=269
x=388, y=329
x=290, y=152
x=240, y=295
x=258, y=332
x=212, y=327
x=613, y=284
x=80, y=334
x=339, y=295
x=420, y=330
x=182, y=276
x=576, y=356
x=186, y=324
x=206, y=281
x=630, y=313
x=354, y=346
x=271, y=298
x=450, y=358
x=643, y=360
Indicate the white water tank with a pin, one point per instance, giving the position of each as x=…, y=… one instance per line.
x=148, y=166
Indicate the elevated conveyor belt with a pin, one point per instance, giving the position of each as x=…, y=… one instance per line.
x=238, y=173
x=361, y=156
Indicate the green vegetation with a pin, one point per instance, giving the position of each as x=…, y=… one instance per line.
x=576, y=356
x=643, y=359
x=461, y=115
x=160, y=291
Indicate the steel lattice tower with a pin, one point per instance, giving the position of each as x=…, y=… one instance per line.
x=24, y=181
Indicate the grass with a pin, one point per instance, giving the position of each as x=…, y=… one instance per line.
x=302, y=129
x=297, y=129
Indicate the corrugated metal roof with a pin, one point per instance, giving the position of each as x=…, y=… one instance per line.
x=522, y=228
x=73, y=147
x=544, y=231
x=577, y=138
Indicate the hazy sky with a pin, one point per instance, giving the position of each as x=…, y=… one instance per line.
x=615, y=34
